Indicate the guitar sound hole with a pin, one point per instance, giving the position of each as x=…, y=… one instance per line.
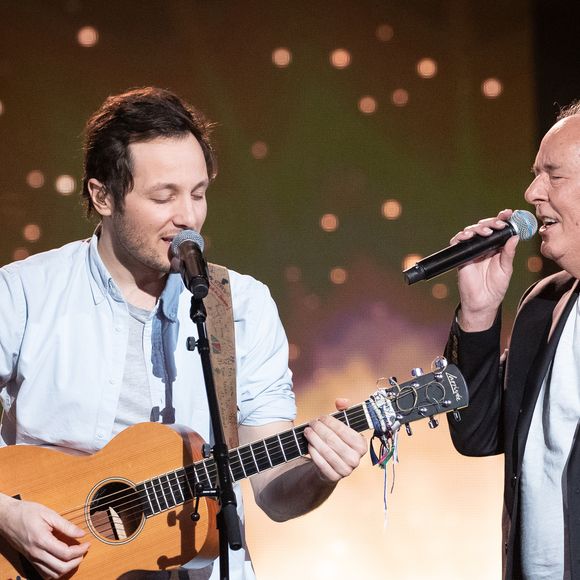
x=116, y=511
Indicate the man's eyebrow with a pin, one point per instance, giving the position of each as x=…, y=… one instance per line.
x=173, y=187
x=535, y=169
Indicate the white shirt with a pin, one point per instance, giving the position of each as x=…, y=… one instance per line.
x=552, y=430
x=63, y=342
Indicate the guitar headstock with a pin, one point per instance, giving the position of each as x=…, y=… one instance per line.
x=426, y=395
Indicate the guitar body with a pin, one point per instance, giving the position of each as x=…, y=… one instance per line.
x=79, y=488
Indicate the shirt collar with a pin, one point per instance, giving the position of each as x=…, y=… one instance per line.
x=102, y=283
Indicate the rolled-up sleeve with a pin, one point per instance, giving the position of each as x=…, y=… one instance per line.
x=12, y=324
x=263, y=377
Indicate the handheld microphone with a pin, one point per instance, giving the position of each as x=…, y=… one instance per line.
x=187, y=247
x=522, y=223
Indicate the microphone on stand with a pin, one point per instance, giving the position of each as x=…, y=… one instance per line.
x=522, y=223
x=187, y=247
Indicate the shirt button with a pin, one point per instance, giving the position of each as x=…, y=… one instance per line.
x=100, y=436
x=117, y=329
x=112, y=381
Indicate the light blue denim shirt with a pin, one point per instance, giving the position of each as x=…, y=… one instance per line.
x=63, y=343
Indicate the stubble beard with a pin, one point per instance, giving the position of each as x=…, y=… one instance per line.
x=136, y=249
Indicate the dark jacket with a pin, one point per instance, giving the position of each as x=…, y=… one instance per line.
x=502, y=396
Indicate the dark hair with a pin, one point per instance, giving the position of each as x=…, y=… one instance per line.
x=136, y=116
x=569, y=110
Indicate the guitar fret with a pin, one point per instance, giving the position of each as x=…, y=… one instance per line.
x=293, y=449
x=176, y=487
x=169, y=486
x=303, y=445
x=346, y=418
x=206, y=472
x=262, y=460
x=250, y=466
x=267, y=453
x=282, y=447
x=296, y=439
x=150, y=484
x=235, y=466
x=242, y=462
x=142, y=487
x=164, y=503
x=191, y=495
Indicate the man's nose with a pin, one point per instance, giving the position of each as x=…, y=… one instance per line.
x=537, y=191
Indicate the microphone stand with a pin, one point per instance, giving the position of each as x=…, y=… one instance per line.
x=227, y=519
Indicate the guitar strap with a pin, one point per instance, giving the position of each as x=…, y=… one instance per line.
x=220, y=333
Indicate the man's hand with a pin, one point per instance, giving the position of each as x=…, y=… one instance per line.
x=484, y=281
x=46, y=539
x=335, y=448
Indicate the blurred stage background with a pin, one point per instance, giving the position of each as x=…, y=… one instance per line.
x=353, y=136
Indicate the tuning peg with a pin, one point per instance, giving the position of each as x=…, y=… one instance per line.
x=439, y=365
x=393, y=382
x=433, y=423
x=457, y=416
x=417, y=372
x=408, y=429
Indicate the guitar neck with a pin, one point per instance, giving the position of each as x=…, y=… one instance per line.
x=175, y=488
x=420, y=398
x=261, y=455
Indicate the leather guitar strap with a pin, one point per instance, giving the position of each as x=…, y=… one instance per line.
x=220, y=332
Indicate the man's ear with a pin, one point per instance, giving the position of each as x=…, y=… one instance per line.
x=101, y=197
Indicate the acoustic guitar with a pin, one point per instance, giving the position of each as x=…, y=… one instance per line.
x=140, y=499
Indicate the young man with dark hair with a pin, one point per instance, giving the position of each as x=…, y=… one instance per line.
x=93, y=335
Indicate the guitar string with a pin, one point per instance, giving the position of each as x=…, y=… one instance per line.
x=180, y=476
x=289, y=435
x=181, y=479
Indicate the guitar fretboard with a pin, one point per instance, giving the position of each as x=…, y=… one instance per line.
x=176, y=487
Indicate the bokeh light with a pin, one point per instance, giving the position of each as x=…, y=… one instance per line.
x=535, y=264
x=410, y=260
x=293, y=274
x=293, y=352
x=281, y=57
x=427, y=68
x=35, y=178
x=367, y=105
x=65, y=184
x=31, y=232
x=338, y=275
x=312, y=302
x=329, y=222
x=440, y=291
x=340, y=58
x=20, y=254
x=259, y=150
x=88, y=36
x=491, y=88
x=385, y=32
x=400, y=97
x=1, y=107
x=392, y=209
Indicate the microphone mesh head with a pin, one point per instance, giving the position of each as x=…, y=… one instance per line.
x=184, y=236
x=525, y=223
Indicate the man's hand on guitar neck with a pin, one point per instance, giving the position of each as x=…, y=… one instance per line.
x=334, y=448
x=48, y=541
x=296, y=488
